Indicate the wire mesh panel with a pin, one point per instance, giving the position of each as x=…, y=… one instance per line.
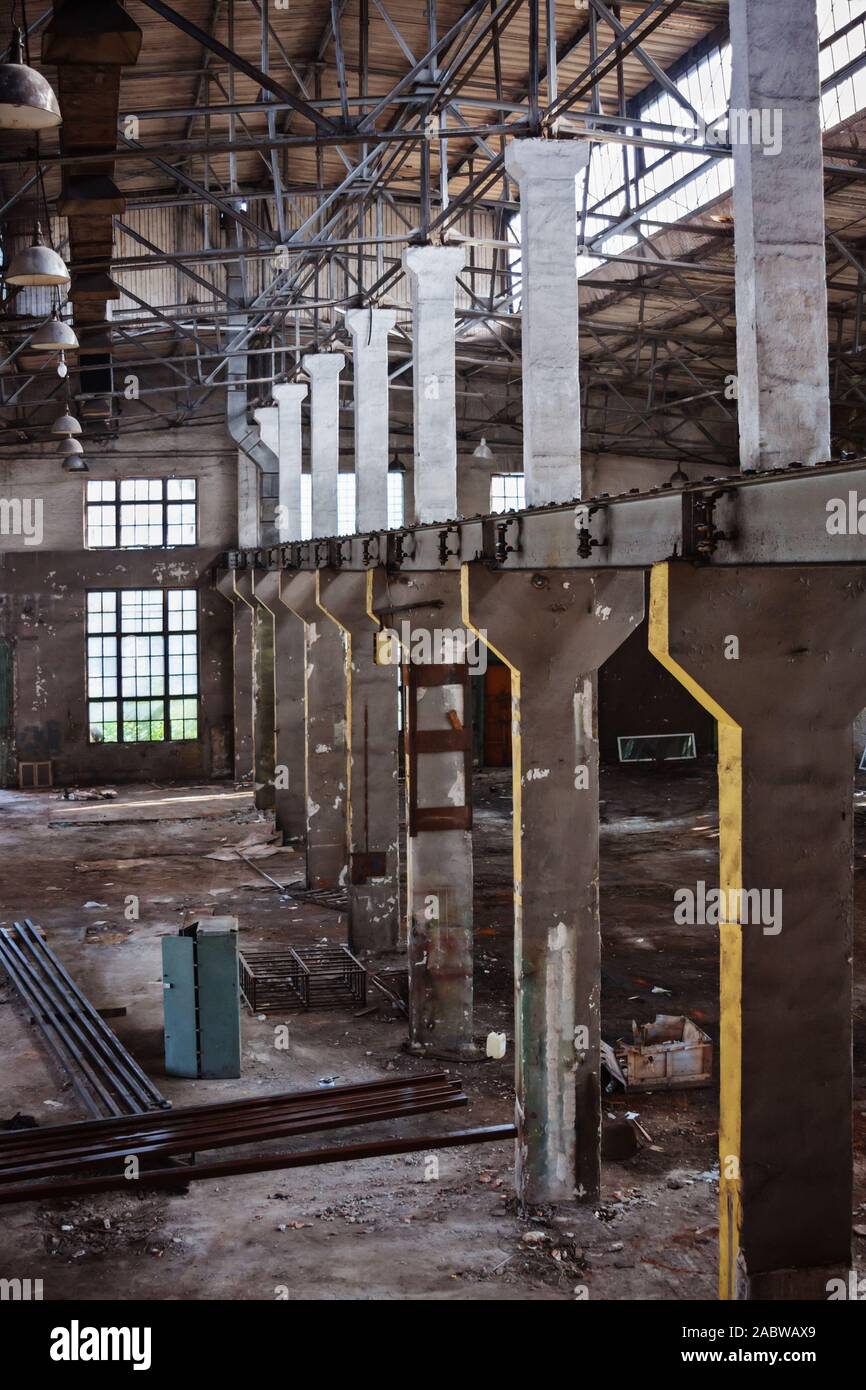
x=302, y=977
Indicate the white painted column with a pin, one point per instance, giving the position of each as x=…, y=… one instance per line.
x=288, y=396
x=545, y=172
x=782, y=344
x=323, y=369
x=433, y=272
x=369, y=329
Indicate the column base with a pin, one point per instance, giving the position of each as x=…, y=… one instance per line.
x=813, y=1285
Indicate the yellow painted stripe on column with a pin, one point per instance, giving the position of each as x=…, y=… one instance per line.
x=730, y=768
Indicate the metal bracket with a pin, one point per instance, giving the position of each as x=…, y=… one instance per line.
x=495, y=543
x=396, y=549
x=586, y=541
x=445, y=551
x=371, y=550
x=700, y=536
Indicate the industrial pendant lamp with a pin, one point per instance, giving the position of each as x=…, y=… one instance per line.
x=482, y=450
x=54, y=336
x=66, y=424
x=70, y=447
x=37, y=265
x=73, y=464
x=27, y=101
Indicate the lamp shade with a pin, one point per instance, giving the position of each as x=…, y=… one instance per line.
x=27, y=101
x=66, y=424
x=70, y=447
x=73, y=464
x=482, y=450
x=37, y=265
x=54, y=336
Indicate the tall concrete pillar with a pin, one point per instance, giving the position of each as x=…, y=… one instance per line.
x=262, y=694
x=554, y=629
x=782, y=347
x=325, y=758
x=287, y=638
x=323, y=369
x=433, y=271
x=373, y=747
x=242, y=678
x=777, y=655
x=369, y=329
x=288, y=448
x=423, y=612
x=545, y=172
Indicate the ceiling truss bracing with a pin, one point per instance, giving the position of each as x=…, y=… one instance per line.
x=307, y=146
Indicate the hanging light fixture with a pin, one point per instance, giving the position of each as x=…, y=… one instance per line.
x=70, y=447
x=37, y=265
x=66, y=424
x=396, y=465
x=54, y=336
x=27, y=101
x=73, y=464
x=482, y=450
x=678, y=478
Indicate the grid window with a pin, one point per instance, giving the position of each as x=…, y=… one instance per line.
x=306, y=507
x=142, y=665
x=396, y=503
x=140, y=513
x=507, y=492
x=345, y=504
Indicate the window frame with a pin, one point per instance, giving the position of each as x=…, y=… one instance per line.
x=119, y=699
x=164, y=502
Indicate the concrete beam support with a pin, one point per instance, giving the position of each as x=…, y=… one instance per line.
x=369, y=329
x=287, y=635
x=323, y=369
x=545, y=172
x=289, y=450
x=264, y=746
x=781, y=296
x=432, y=272
x=242, y=678
x=439, y=879
x=777, y=656
x=554, y=629
x=325, y=757
x=373, y=750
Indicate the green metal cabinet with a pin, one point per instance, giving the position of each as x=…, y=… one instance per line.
x=202, y=1000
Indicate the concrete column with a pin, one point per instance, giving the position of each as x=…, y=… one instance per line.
x=777, y=656
x=373, y=744
x=262, y=659
x=438, y=736
x=287, y=637
x=242, y=678
x=554, y=629
x=289, y=451
x=782, y=348
x=433, y=271
x=369, y=329
x=323, y=369
x=545, y=172
x=267, y=419
x=325, y=758
x=249, y=519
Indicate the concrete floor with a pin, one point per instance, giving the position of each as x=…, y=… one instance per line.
x=377, y=1229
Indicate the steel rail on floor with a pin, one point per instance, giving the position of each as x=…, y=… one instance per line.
x=283, y=1117
x=257, y=1163
x=108, y=1080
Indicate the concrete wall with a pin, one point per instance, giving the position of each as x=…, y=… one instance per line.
x=43, y=592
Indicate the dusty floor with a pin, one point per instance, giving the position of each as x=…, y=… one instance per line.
x=377, y=1229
